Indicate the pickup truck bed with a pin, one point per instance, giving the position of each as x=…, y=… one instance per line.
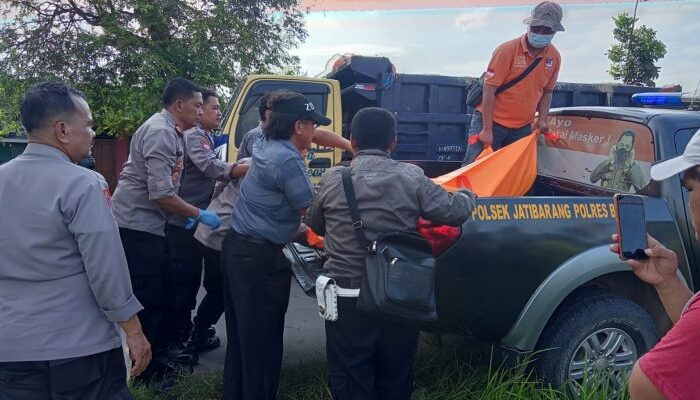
x=535, y=272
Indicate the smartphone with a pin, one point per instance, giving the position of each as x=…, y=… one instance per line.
x=631, y=226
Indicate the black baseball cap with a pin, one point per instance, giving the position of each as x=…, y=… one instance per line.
x=298, y=104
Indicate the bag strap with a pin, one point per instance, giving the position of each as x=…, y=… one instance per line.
x=357, y=224
x=520, y=77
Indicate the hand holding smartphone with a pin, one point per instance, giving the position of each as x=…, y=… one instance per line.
x=631, y=226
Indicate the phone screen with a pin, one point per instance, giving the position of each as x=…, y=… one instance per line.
x=632, y=226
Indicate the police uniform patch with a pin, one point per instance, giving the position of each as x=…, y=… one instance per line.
x=108, y=197
x=179, y=166
x=549, y=63
x=490, y=74
x=205, y=143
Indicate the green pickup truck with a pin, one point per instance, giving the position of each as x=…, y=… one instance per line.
x=535, y=273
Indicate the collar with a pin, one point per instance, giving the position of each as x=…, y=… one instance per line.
x=372, y=152
x=285, y=143
x=201, y=128
x=170, y=119
x=198, y=130
x=288, y=144
x=46, y=151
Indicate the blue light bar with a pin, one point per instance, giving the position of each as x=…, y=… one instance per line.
x=658, y=99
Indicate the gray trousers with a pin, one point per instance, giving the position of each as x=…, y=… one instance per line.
x=502, y=136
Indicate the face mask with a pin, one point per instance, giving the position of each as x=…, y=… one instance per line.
x=539, y=41
x=621, y=155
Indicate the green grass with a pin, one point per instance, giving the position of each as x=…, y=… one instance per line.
x=458, y=370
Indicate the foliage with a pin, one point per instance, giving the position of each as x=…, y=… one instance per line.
x=447, y=371
x=636, y=52
x=121, y=52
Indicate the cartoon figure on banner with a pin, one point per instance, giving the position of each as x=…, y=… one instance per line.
x=620, y=171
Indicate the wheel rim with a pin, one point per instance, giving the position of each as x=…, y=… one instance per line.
x=605, y=357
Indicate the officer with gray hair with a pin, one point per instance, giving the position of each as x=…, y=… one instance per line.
x=64, y=282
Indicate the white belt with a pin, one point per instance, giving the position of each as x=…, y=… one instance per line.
x=348, y=292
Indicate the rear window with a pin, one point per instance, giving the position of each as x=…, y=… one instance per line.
x=604, y=153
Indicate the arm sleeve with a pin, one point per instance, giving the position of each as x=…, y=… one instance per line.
x=246, y=146
x=160, y=155
x=93, y=226
x=599, y=171
x=553, y=79
x=295, y=183
x=499, y=68
x=202, y=155
x=315, y=218
x=440, y=206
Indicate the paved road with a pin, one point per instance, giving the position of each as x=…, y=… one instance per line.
x=304, y=335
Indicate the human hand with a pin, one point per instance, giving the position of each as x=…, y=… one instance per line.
x=659, y=269
x=300, y=236
x=208, y=218
x=542, y=126
x=486, y=138
x=139, y=352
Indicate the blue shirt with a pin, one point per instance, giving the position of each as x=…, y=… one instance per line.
x=274, y=189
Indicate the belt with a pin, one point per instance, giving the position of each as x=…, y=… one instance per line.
x=256, y=240
x=342, y=292
x=346, y=282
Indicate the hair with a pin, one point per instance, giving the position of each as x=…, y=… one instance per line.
x=207, y=93
x=45, y=101
x=373, y=128
x=692, y=173
x=280, y=126
x=628, y=133
x=263, y=105
x=178, y=88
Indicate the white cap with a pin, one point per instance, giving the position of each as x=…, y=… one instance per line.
x=689, y=158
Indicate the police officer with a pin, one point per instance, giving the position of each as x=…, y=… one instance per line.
x=146, y=193
x=370, y=358
x=64, y=282
x=273, y=197
x=202, y=169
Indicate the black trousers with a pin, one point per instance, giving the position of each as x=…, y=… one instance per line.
x=99, y=376
x=212, y=306
x=187, y=256
x=257, y=280
x=369, y=359
x=151, y=279
x=186, y=263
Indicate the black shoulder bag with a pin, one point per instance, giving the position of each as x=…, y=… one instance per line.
x=475, y=91
x=398, y=283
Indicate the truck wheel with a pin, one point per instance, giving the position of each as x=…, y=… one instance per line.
x=594, y=339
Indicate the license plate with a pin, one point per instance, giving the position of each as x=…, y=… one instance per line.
x=450, y=148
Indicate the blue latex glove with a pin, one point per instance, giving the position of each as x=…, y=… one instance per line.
x=208, y=218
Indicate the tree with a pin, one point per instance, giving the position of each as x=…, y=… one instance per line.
x=121, y=52
x=634, y=56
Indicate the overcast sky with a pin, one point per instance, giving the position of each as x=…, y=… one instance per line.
x=459, y=41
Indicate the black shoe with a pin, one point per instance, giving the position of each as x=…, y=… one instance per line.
x=211, y=332
x=183, y=355
x=203, y=340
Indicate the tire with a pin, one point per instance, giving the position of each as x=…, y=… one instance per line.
x=616, y=330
